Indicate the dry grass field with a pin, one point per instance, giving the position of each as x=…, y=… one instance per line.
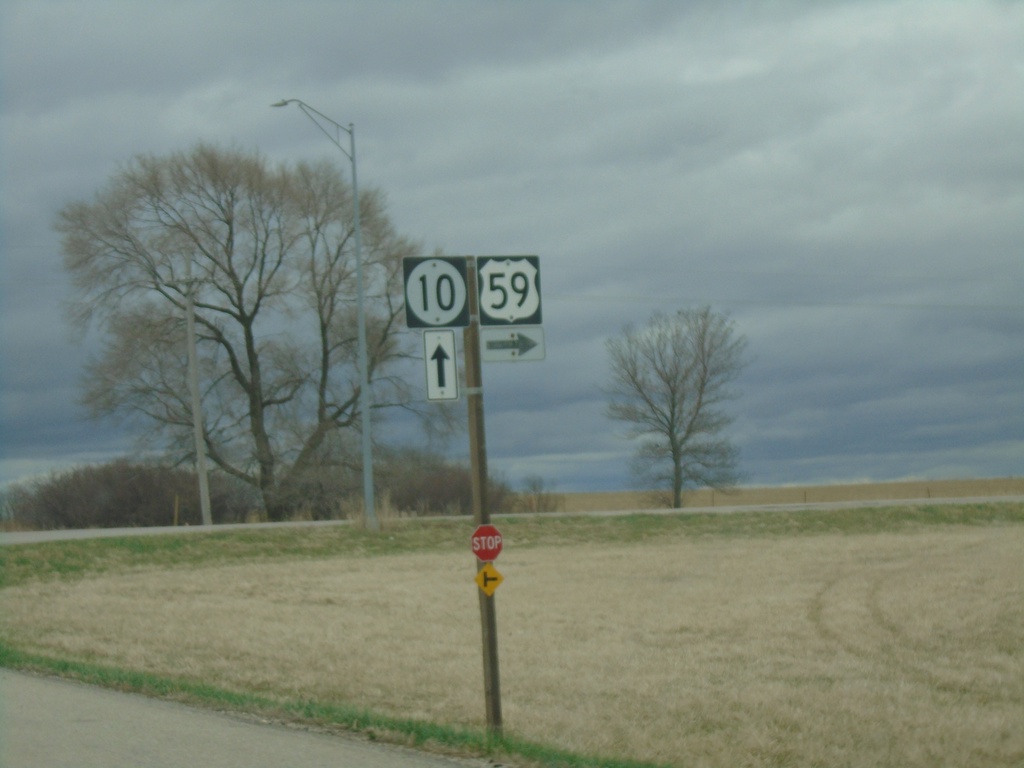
x=834, y=649
x=797, y=494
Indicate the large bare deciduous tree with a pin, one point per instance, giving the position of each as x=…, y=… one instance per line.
x=270, y=249
x=669, y=380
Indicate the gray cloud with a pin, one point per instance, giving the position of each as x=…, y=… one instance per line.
x=845, y=179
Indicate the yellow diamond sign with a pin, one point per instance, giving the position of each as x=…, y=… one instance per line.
x=488, y=579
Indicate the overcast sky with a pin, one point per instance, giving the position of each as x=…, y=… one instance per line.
x=845, y=179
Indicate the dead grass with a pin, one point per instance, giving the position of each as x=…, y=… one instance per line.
x=869, y=649
x=798, y=494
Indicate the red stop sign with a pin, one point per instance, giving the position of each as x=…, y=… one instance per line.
x=486, y=543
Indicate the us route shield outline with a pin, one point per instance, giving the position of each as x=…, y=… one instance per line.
x=501, y=302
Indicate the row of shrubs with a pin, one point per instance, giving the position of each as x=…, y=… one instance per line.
x=127, y=493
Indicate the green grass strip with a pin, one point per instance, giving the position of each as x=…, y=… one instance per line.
x=376, y=726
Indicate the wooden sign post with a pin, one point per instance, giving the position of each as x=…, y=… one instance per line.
x=481, y=512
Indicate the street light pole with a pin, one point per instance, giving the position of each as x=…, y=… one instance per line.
x=193, y=388
x=364, y=371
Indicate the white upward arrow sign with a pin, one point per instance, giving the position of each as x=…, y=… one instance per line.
x=440, y=360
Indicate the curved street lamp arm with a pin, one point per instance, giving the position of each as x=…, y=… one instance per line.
x=313, y=113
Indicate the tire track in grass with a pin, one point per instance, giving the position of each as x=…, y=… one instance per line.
x=937, y=617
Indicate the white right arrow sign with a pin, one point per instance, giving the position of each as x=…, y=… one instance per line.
x=506, y=345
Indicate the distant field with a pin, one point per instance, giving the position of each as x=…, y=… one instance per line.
x=798, y=494
x=884, y=637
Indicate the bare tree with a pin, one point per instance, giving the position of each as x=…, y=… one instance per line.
x=538, y=497
x=669, y=380
x=273, y=280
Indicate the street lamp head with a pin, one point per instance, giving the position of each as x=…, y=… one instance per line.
x=320, y=120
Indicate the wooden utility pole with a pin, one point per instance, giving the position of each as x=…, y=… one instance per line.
x=481, y=512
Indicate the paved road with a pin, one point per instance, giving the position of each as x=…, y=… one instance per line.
x=68, y=534
x=50, y=723
x=33, y=537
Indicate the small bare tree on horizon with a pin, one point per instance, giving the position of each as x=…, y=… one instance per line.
x=669, y=380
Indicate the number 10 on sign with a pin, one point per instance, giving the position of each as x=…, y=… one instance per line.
x=436, y=292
